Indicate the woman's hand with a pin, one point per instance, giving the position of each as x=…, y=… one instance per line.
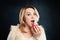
x=36, y=31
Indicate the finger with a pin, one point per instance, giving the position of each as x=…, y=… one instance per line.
x=32, y=30
x=35, y=29
x=39, y=30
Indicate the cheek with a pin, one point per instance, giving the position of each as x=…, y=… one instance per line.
x=27, y=19
x=35, y=16
x=36, y=19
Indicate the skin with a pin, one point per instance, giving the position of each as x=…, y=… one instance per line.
x=30, y=15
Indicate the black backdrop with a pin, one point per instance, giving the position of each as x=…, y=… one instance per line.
x=48, y=10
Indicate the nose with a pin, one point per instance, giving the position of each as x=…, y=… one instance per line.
x=32, y=17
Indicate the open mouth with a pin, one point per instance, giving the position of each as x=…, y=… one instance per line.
x=33, y=21
x=33, y=24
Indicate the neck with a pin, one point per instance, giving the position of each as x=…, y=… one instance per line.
x=26, y=28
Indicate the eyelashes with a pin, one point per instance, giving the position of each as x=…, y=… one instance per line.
x=28, y=14
x=34, y=13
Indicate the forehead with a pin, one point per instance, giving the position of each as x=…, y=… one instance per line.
x=30, y=10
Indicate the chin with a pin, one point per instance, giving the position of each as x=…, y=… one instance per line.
x=30, y=25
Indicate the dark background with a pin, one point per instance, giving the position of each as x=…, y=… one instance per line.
x=48, y=9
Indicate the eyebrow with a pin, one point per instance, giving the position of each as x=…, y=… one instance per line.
x=27, y=12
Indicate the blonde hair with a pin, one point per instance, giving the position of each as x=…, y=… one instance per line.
x=22, y=12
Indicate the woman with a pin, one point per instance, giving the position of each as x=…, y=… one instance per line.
x=28, y=29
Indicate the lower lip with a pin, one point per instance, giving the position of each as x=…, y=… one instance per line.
x=33, y=25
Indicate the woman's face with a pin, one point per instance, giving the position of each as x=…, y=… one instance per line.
x=29, y=16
